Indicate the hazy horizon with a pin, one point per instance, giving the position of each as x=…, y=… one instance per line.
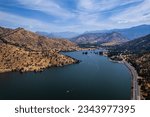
x=74, y=15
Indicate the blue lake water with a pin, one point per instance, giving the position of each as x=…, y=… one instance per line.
x=93, y=78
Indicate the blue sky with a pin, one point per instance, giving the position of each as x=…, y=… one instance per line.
x=73, y=15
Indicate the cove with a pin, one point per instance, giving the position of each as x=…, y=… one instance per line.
x=94, y=78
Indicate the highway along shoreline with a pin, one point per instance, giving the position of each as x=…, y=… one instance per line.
x=135, y=88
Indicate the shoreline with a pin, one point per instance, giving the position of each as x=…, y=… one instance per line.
x=74, y=61
x=135, y=90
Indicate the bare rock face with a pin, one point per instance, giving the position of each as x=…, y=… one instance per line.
x=23, y=50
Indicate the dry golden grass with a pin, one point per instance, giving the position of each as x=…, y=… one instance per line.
x=14, y=58
x=22, y=50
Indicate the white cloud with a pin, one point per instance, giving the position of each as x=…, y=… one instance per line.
x=102, y=5
x=47, y=6
x=130, y=1
x=86, y=4
x=29, y=23
x=88, y=15
x=91, y=13
x=134, y=15
x=15, y=21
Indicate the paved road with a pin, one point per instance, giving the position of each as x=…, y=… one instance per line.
x=136, y=88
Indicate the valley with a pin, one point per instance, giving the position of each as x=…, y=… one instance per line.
x=24, y=51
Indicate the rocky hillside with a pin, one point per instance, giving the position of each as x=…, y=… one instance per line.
x=105, y=39
x=32, y=41
x=141, y=62
x=23, y=50
x=4, y=30
x=139, y=45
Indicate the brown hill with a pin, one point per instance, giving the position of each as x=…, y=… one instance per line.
x=32, y=41
x=23, y=50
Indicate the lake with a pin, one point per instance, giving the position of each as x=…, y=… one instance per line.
x=94, y=78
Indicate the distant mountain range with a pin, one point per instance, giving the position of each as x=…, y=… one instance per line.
x=130, y=33
x=106, y=39
x=102, y=37
x=66, y=35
